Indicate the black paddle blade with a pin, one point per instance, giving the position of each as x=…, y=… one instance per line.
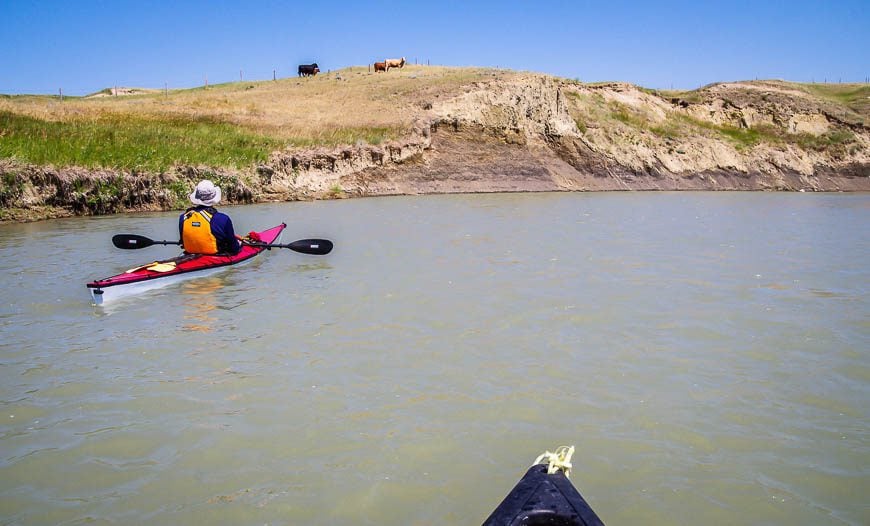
x=318, y=247
x=128, y=241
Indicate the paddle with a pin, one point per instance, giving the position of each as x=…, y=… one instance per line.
x=134, y=241
x=317, y=247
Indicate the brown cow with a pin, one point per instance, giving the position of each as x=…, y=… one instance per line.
x=395, y=62
x=380, y=66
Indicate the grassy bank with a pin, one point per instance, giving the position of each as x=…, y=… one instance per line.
x=854, y=96
x=228, y=125
x=118, y=141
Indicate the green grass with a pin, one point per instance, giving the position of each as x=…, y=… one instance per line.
x=335, y=136
x=692, y=97
x=667, y=130
x=35, y=99
x=11, y=188
x=833, y=141
x=678, y=125
x=104, y=91
x=855, y=97
x=155, y=143
x=847, y=94
x=336, y=191
x=130, y=142
x=743, y=137
x=628, y=116
x=837, y=142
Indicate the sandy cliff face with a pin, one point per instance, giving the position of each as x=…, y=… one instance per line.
x=754, y=130
x=522, y=132
x=536, y=133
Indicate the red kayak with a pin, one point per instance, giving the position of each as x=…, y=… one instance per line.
x=161, y=273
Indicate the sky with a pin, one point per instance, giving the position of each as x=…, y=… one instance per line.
x=84, y=46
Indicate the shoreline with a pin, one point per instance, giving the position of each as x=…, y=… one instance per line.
x=720, y=182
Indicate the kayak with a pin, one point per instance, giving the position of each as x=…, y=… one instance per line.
x=161, y=273
x=542, y=498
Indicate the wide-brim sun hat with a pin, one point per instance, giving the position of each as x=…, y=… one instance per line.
x=206, y=194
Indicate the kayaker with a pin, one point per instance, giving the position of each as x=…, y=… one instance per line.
x=203, y=229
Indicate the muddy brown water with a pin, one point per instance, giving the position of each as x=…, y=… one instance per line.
x=706, y=354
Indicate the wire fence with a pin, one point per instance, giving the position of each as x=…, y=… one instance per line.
x=824, y=80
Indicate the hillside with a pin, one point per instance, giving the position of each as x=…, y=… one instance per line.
x=424, y=129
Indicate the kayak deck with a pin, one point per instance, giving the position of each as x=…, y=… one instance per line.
x=540, y=498
x=163, y=272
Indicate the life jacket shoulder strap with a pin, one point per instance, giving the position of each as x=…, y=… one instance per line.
x=206, y=213
x=210, y=209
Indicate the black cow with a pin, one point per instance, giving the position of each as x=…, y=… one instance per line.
x=308, y=70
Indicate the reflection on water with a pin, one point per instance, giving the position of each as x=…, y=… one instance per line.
x=706, y=353
x=199, y=302
x=309, y=266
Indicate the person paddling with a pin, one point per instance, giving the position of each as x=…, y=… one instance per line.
x=203, y=229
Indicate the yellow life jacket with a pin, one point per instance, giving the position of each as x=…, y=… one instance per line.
x=196, y=236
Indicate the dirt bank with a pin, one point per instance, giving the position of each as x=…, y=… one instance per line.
x=535, y=133
x=519, y=133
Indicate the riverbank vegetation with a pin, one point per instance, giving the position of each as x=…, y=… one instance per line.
x=130, y=142
x=227, y=125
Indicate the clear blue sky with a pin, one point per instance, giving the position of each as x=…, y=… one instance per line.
x=84, y=46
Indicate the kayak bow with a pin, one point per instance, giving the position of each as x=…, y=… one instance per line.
x=544, y=496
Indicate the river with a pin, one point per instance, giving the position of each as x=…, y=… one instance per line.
x=708, y=355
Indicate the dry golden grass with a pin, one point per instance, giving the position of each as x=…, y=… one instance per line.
x=324, y=109
x=235, y=124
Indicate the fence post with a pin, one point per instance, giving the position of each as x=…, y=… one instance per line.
x=60, y=90
x=274, y=75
